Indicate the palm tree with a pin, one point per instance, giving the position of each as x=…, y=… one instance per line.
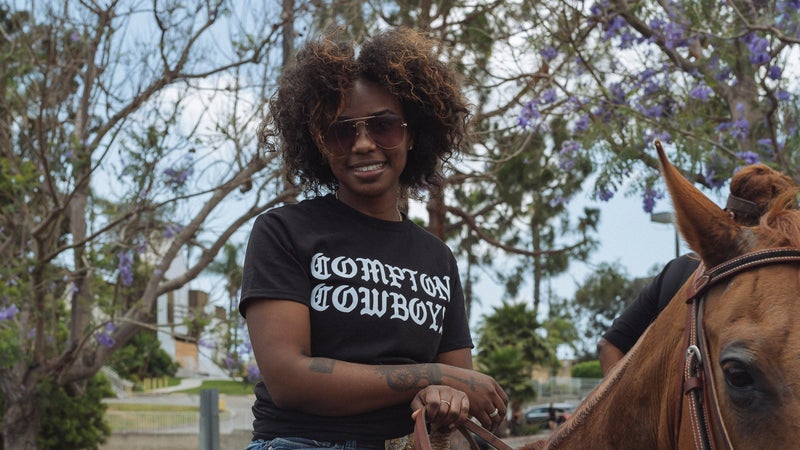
x=229, y=266
x=509, y=348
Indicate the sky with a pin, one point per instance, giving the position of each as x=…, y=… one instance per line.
x=626, y=235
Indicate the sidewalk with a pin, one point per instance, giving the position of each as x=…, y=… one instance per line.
x=186, y=383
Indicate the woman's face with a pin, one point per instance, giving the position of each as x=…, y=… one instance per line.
x=368, y=144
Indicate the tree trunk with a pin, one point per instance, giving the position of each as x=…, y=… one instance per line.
x=21, y=420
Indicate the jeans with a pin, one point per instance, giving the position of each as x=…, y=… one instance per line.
x=298, y=443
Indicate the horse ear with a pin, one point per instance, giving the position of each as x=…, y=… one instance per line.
x=708, y=230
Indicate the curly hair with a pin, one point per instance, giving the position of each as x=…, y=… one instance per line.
x=311, y=94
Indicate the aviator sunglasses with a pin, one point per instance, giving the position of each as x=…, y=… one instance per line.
x=387, y=131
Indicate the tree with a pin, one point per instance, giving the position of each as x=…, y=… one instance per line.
x=712, y=79
x=127, y=134
x=230, y=268
x=600, y=299
x=509, y=348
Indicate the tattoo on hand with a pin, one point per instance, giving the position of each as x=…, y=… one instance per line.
x=322, y=365
x=403, y=378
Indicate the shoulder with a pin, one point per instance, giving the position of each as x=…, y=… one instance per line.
x=296, y=213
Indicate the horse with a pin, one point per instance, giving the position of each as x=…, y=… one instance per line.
x=719, y=368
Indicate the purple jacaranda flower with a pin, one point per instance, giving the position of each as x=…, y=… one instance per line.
x=711, y=179
x=74, y=36
x=740, y=128
x=649, y=198
x=605, y=194
x=701, y=92
x=557, y=201
x=613, y=27
x=171, y=230
x=582, y=124
x=765, y=142
x=774, y=72
x=548, y=53
x=748, y=157
x=73, y=288
x=528, y=114
x=783, y=95
x=104, y=339
x=125, y=266
x=759, y=49
x=8, y=312
x=548, y=96
x=253, y=374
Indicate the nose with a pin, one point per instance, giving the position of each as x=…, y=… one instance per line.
x=363, y=142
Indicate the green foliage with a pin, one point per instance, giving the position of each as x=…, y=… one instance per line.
x=508, y=349
x=600, y=299
x=142, y=357
x=74, y=419
x=10, y=351
x=587, y=369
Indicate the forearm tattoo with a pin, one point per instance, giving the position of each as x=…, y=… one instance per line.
x=322, y=365
x=404, y=378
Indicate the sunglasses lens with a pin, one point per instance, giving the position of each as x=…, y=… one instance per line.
x=341, y=136
x=386, y=131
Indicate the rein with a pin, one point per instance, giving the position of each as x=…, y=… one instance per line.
x=422, y=440
x=698, y=381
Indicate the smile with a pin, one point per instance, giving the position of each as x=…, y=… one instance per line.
x=369, y=167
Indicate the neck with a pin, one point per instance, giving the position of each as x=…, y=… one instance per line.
x=379, y=209
x=640, y=390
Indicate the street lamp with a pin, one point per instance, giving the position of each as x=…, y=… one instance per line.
x=667, y=217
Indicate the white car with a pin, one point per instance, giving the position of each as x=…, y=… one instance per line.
x=540, y=414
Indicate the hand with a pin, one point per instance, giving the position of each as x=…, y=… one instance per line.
x=488, y=402
x=445, y=407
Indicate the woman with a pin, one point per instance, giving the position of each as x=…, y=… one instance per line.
x=354, y=311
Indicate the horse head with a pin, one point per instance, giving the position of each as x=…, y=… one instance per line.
x=752, y=337
x=725, y=351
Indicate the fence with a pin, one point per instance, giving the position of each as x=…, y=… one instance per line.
x=171, y=422
x=564, y=388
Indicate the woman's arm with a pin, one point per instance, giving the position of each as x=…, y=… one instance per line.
x=280, y=335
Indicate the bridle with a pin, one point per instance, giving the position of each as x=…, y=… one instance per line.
x=698, y=381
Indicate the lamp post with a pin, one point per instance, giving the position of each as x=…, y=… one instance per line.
x=667, y=217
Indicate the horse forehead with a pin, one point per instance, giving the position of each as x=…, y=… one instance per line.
x=768, y=297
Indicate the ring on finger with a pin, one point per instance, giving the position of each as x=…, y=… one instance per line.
x=494, y=413
x=446, y=402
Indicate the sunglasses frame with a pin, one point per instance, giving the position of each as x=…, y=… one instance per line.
x=365, y=120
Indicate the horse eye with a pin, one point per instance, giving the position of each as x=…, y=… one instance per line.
x=737, y=376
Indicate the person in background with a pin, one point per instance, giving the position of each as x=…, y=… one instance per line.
x=752, y=189
x=355, y=313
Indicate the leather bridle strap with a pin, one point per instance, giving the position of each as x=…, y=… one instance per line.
x=698, y=381
x=422, y=440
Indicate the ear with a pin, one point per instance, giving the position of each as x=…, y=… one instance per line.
x=708, y=229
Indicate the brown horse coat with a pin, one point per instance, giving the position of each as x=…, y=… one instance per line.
x=753, y=334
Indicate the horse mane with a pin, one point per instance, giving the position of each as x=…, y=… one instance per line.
x=780, y=226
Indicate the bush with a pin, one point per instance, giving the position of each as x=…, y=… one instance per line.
x=74, y=420
x=142, y=357
x=588, y=369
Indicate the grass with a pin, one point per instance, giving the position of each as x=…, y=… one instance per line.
x=227, y=387
x=138, y=407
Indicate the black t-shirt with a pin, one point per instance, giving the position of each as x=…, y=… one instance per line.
x=378, y=292
x=631, y=324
